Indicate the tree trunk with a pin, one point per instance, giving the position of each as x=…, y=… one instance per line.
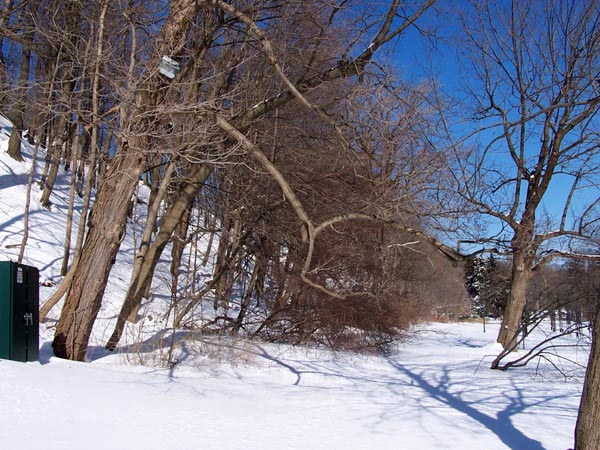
x=14, y=142
x=87, y=194
x=212, y=225
x=168, y=225
x=178, y=246
x=521, y=274
x=61, y=290
x=51, y=171
x=64, y=126
x=53, y=161
x=155, y=180
x=221, y=263
x=587, y=430
x=175, y=213
x=239, y=321
x=66, y=282
x=523, y=252
x=4, y=13
x=107, y=228
x=149, y=228
x=28, y=203
x=109, y=217
x=104, y=157
x=69, y=226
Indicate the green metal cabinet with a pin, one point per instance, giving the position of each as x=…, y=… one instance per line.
x=19, y=312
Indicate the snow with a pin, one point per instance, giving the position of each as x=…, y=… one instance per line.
x=435, y=391
x=432, y=394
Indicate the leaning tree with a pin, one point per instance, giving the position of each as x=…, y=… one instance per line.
x=220, y=117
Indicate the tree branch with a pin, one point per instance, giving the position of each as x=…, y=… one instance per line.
x=342, y=70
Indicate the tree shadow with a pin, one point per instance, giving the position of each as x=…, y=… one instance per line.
x=179, y=338
x=46, y=353
x=501, y=425
x=405, y=384
x=161, y=339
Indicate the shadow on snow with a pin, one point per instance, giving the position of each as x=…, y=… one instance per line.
x=501, y=425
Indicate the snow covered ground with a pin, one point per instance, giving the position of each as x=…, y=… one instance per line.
x=434, y=392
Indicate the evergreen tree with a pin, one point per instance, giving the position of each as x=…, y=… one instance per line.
x=478, y=286
x=497, y=287
x=487, y=287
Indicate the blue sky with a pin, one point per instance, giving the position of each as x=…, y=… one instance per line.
x=420, y=59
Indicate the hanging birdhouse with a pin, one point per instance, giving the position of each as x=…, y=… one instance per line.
x=169, y=67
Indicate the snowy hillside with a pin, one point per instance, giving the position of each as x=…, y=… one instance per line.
x=434, y=392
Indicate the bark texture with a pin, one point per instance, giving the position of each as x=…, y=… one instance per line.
x=109, y=217
x=587, y=430
x=169, y=222
x=522, y=269
x=14, y=142
x=110, y=210
x=98, y=254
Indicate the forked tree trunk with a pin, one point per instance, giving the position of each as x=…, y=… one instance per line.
x=175, y=213
x=149, y=228
x=587, y=430
x=109, y=216
x=169, y=222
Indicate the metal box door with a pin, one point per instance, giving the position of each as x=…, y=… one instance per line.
x=19, y=312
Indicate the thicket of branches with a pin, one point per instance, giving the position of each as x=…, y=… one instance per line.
x=320, y=181
x=313, y=213
x=319, y=178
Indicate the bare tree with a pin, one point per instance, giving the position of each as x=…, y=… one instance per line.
x=535, y=108
x=18, y=108
x=109, y=216
x=5, y=12
x=358, y=269
x=70, y=24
